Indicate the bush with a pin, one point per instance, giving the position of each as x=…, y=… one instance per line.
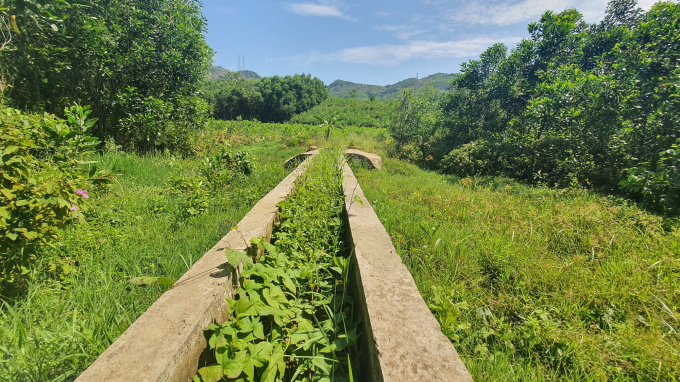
x=44, y=183
x=660, y=184
x=474, y=158
x=414, y=123
x=153, y=124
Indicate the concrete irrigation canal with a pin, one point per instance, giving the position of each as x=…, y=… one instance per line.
x=401, y=339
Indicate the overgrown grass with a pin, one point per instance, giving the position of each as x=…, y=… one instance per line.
x=290, y=134
x=353, y=112
x=154, y=221
x=534, y=284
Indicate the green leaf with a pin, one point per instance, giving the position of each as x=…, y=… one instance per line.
x=274, y=296
x=166, y=281
x=258, y=329
x=143, y=280
x=262, y=353
x=234, y=258
x=30, y=235
x=233, y=367
x=273, y=365
x=4, y=213
x=245, y=307
x=211, y=373
x=21, y=203
x=358, y=200
x=11, y=149
x=11, y=236
x=249, y=367
x=265, y=245
x=322, y=364
x=8, y=194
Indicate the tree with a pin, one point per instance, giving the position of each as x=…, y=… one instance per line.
x=130, y=60
x=328, y=123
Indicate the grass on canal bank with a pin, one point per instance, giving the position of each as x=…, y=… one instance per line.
x=157, y=219
x=534, y=284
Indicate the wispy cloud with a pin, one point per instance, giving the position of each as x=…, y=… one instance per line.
x=390, y=55
x=402, y=32
x=489, y=13
x=316, y=9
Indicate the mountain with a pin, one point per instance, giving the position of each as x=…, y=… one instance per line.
x=342, y=89
x=217, y=72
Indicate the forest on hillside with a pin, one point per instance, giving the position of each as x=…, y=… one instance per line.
x=580, y=105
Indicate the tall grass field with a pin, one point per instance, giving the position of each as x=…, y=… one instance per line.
x=537, y=284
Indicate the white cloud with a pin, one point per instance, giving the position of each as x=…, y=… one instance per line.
x=515, y=12
x=389, y=55
x=401, y=31
x=313, y=9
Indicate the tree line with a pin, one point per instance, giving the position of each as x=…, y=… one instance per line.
x=270, y=99
x=574, y=105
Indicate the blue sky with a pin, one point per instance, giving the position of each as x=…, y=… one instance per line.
x=376, y=42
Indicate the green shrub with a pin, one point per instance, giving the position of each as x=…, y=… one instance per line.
x=99, y=52
x=153, y=124
x=414, y=123
x=222, y=168
x=660, y=184
x=44, y=183
x=472, y=158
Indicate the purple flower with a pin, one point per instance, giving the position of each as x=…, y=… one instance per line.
x=73, y=207
x=82, y=193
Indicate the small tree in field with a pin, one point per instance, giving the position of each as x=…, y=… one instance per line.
x=329, y=123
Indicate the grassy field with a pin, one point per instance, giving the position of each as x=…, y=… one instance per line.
x=155, y=220
x=529, y=283
x=533, y=284
x=351, y=112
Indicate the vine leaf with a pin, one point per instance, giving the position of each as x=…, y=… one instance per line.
x=234, y=258
x=276, y=363
x=211, y=373
x=234, y=366
x=147, y=280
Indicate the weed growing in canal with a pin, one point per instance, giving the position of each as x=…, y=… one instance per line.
x=292, y=317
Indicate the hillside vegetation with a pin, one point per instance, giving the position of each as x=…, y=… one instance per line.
x=346, y=89
x=218, y=72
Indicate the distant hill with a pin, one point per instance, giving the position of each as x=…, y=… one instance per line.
x=342, y=89
x=217, y=72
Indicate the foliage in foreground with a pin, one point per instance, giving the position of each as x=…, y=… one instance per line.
x=153, y=220
x=292, y=318
x=45, y=179
x=533, y=284
x=137, y=63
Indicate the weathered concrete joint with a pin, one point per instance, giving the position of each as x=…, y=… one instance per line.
x=404, y=340
x=165, y=343
x=296, y=160
x=372, y=160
